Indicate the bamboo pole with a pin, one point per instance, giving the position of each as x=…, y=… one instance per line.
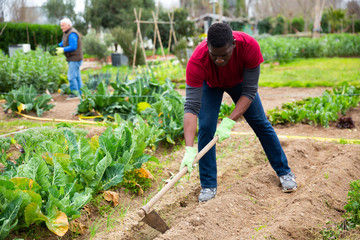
x=2, y=30
x=158, y=33
x=157, y=15
x=139, y=33
x=172, y=31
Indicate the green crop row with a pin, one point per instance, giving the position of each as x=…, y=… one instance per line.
x=287, y=49
x=59, y=170
x=36, y=68
x=160, y=104
x=318, y=110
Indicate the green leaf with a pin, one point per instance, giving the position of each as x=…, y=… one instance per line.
x=57, y=222
x=113, y=175
x=25, y=184
x=59, y=177
x=101, y=167
x=80, y=199
x=73, y=146
x=30, y=168
x=65, y=161
x=8, y=216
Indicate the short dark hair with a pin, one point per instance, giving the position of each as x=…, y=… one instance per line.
x=219, y=34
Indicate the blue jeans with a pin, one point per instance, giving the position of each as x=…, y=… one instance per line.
x=74, y=76
x=254, y=115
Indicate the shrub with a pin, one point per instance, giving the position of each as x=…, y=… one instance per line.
x=298, y=24
x=93, y=46
x=124, y=37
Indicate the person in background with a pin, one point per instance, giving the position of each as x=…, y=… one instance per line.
x=228, y=61
x=71, y=47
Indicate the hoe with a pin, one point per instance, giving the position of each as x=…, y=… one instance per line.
x=152, y=218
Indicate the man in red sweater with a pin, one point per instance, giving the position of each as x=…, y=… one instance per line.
x=228, y=61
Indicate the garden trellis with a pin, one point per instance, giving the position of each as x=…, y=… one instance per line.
x=138, y=21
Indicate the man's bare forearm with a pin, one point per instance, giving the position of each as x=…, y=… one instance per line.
x=190, y=125
x=241, y=106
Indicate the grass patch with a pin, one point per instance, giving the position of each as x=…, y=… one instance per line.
x=16, y=125
x=314, y=72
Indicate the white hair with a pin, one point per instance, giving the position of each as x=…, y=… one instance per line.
x=66, y=21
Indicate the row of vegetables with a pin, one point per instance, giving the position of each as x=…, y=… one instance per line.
x=60, y=169
x=318, y=110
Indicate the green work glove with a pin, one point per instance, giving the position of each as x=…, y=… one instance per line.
x=224, y=129
x=189, y=157
x=59, y=50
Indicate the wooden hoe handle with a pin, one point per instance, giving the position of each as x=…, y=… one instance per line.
x=146, y=208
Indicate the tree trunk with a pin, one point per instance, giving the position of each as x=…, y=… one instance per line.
x=319, y=6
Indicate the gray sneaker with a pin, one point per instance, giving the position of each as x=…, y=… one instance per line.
x=288, y=182
x=206, y=194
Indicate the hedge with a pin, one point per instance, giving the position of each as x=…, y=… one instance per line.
x=43, y=35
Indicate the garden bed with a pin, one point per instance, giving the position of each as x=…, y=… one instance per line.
x=249, y=203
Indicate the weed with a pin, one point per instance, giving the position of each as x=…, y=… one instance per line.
x=147, y=199
x=326, y=175
x=331, y=231
x=95, y=227
x=135, y=182
x=123, y=211
x=259, y=228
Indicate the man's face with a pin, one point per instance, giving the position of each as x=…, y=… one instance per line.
x=64, y=27
x=222, y=55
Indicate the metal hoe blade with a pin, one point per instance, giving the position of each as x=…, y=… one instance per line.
x=155, y=221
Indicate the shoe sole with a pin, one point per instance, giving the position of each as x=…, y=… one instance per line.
x=289, y=190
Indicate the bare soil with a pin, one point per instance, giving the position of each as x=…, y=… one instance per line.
x=249, y=203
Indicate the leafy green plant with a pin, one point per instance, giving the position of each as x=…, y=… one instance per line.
x=95, y=79
x=319, y=110
x=331, y=231
x=93, y=46
x=135, y=182
x=8, y=216
x=103, y=102
x=284, y=49
x=353, y=206
x=4, y=147
x=36, y=68
x=167, y=114
x=226, y=110
x=65, y=88
x=27, y=99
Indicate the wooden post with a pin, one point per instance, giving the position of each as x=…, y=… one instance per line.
x=2, y=30
x=135, y=49
x=158, y=33
x=27, y=34
x=34, y=40
x=172, y=31
x=139, y=34
x=157, y=15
